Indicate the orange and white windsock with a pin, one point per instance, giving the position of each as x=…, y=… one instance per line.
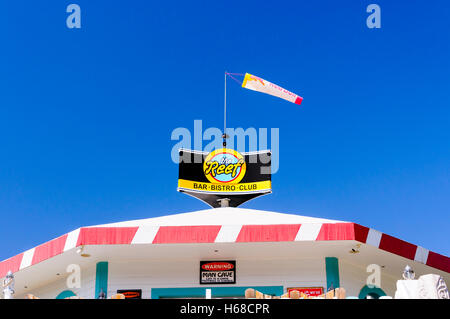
x=255, y=83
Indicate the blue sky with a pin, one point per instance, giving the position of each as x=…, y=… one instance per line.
x=86, y=114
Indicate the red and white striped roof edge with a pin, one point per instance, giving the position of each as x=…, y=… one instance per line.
x=223, y=225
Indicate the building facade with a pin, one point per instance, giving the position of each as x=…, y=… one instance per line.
x=163, y=257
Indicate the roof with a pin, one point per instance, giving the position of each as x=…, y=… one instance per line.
x=222, y=216
x=224, y=225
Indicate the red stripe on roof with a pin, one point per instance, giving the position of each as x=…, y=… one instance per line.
x=262, y=233
x=186, y=234
x=208, y=234
x=361, y=233
x=12, y=264
x=438, y=261
x=397, y=246
x=49, y=249
x=106, y=235
x=337, y=231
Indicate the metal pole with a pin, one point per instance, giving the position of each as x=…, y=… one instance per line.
x=225, y=114
x=224, y=202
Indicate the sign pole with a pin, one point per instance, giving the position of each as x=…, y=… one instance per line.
x=224, y=202
x=224, y=136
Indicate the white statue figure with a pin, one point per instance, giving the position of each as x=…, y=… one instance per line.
x=432, y=287
x=428, y=286
x=8, y=286
x=408, y=273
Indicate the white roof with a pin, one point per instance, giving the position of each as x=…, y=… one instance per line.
x=223, y=216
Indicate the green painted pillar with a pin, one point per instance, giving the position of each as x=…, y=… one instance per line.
x=332, y=271
x=101, y=278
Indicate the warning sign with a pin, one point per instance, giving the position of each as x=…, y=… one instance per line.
x=218, y=272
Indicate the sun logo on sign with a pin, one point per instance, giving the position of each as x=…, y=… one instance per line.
x=224, y=166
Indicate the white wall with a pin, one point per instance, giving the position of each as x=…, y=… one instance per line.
x=185, y=273
x=354, y=277
x=148, y=274
x=50, y=291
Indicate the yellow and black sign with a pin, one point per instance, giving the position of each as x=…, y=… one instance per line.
x=225, y=188
x=224, y=173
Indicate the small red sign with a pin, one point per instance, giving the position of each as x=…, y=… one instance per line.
x=131, y=293
x=309, y=291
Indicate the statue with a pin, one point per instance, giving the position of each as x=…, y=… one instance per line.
x=408, y=273
x=430, y=286
x=8, y=286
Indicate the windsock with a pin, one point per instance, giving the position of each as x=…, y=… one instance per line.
x=255, y=83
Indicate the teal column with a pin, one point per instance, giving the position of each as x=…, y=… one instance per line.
x=65, y=294
x=332, y=271
x=101, y=278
